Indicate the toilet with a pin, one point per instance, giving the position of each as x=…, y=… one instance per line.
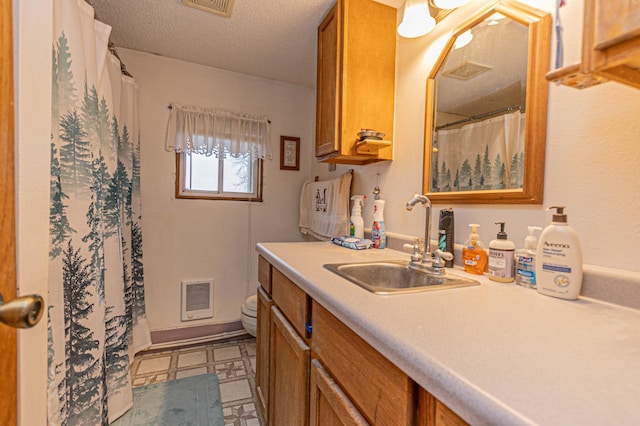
x=249, y=313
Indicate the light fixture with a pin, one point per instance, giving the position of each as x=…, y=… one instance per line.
x=416, y=20
x=450, y=4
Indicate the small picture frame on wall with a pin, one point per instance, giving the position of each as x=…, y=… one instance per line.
x=289, y=153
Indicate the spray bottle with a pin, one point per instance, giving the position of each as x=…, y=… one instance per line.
x=356, y=228
x=378, y=232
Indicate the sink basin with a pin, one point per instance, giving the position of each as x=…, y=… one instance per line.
x=392, y=277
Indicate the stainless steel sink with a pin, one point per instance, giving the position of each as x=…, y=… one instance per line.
x=391, y=277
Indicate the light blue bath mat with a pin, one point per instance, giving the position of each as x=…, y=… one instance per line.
x=192, y=401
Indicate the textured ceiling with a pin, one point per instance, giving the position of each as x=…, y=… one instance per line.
x=274, y=39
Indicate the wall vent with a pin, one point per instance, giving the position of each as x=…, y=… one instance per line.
x=219, y=7
x=467, y=70
x=197, y=299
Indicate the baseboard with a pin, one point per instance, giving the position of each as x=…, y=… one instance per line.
x=161, y=339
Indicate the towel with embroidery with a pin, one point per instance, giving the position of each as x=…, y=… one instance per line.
x=324, y=207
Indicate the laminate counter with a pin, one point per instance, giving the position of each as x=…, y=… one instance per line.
x=494, y=353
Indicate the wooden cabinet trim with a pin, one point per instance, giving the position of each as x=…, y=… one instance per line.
x=263, y=346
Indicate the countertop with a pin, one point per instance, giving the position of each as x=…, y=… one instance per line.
x=494, y=353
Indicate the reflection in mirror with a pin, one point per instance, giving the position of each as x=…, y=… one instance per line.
x=485, y=105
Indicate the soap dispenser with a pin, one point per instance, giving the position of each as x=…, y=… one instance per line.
x=501, y=257
x=559, y=259
x=474, y=256
x=526, y=260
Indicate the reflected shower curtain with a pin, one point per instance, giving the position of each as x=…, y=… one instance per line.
x=479, y=156
x=96, y=309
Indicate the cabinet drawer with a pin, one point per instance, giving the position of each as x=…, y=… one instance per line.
x=264, y=274
x=291, y=300
x=381, y=391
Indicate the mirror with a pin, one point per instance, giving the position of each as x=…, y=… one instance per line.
x=486, y=109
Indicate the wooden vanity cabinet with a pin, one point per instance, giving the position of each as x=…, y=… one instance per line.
x=610, y=46
x=355, y=81
x=330, y=376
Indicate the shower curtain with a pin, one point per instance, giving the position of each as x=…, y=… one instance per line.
x=96, y=308
x=488, y=154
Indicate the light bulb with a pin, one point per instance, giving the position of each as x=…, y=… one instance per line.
x=416, y=20
x=463, y=39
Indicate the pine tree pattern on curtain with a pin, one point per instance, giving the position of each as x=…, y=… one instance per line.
x=97, y=319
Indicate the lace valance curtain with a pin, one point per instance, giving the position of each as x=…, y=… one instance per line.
x=215, y=132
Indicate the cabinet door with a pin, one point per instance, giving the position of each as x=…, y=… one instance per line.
x=327, y=85
x=329, y=406
x=615, y=22
x=289, y=393
x=262, y=350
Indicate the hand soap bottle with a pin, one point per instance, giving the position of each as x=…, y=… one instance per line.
x=559, y=259
x=526, y=260
x=501, y=257
x=474, y=256
x=356, y=228
x=378, y=232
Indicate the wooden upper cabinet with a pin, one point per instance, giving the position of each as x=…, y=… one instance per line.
x=610, y=46
x=356, y=81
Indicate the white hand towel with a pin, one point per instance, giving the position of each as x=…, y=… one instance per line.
x=324, y=207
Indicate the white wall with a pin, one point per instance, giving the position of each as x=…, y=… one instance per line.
x=185, y=239
x=592, y=156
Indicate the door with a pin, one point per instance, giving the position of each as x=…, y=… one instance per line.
x=8, y=335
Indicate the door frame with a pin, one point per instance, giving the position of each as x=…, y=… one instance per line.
x=8, y=276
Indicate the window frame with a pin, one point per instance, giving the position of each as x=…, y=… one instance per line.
x=188, y=194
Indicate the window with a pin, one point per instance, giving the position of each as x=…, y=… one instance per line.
x=225, y=178
x=219, y=153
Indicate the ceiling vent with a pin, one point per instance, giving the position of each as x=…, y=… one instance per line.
x=466, y=70
x=219, y=7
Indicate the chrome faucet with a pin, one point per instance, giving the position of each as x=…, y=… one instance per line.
x=427, y=262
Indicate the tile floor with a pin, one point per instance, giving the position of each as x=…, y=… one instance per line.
x=234, y=361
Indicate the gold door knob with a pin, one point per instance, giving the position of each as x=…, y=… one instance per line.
x=21, y=312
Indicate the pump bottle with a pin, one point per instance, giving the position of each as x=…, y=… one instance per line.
x=559, y=259
x=356, y=228
x=526, y=260
x=501, y=257
x=474, y=256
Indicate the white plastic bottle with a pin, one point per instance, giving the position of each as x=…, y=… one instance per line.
x=526, y=260
x=378, y=231
x=356, y=229
x=501, y=257
x=559, y=259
